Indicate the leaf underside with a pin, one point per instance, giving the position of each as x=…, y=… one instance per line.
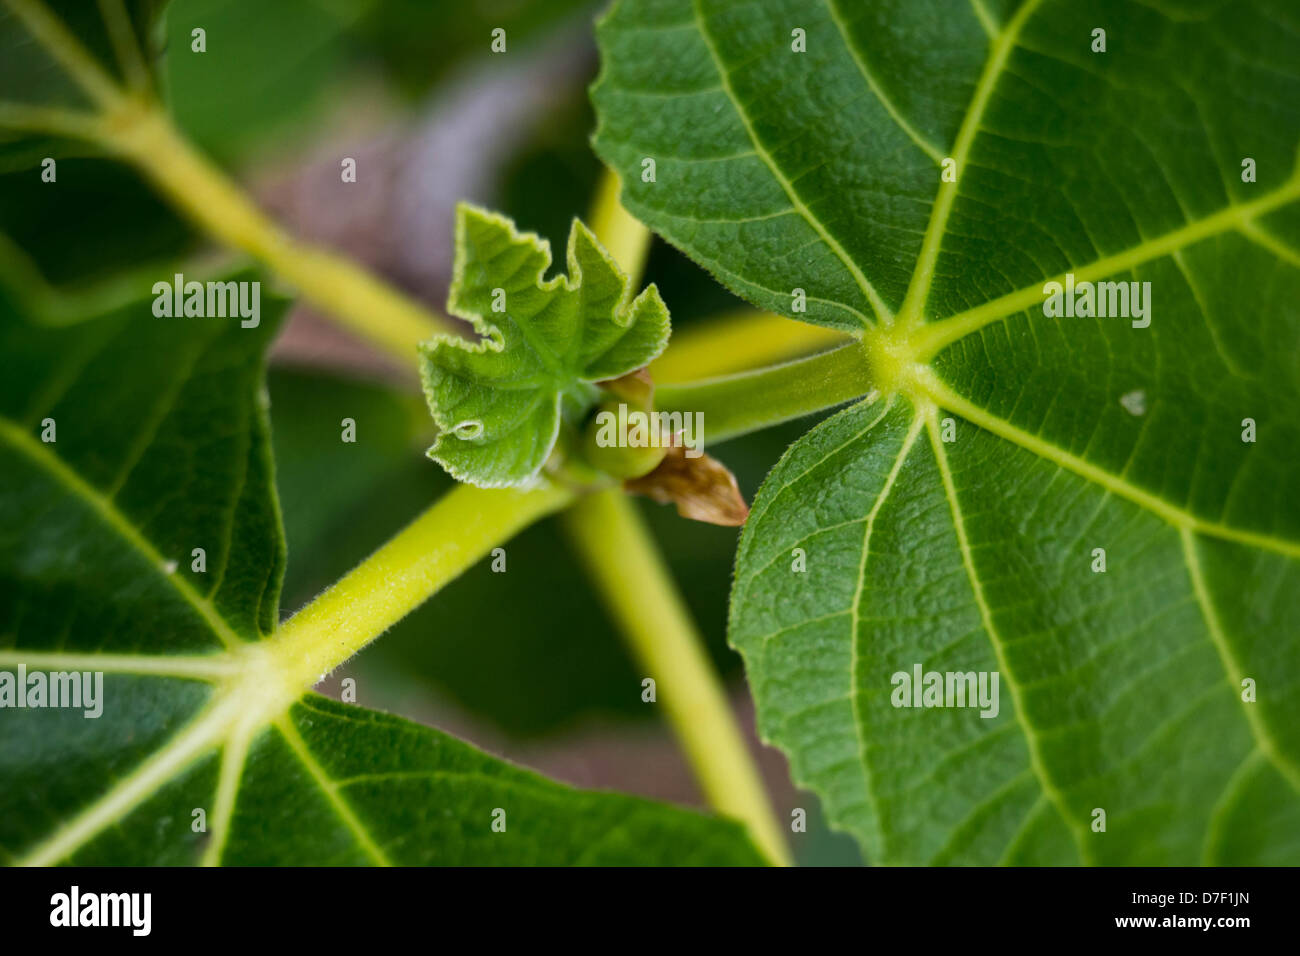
x=1120, y=690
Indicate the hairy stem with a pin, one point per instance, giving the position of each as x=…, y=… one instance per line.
x=624, y=563
x=735, y=405
x=622, y=559
x=462, y=527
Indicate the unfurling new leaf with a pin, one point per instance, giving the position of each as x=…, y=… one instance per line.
x=500, y=402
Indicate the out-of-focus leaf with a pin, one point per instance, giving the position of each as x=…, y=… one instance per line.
x=418, y=41
x=30, y=73
x=266, y=66
x=117, y=219
x=128, y=441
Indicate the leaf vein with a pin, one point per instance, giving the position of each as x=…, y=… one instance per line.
x=986, y=616
x=873, y=297
x=38, y=454
x=860, y=60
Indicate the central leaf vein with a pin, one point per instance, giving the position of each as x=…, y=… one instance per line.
x=986, y=617
x=919, y=288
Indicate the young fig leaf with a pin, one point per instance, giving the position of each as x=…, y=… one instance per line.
x=544, y=344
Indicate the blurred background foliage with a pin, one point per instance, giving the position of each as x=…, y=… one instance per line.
x=526, y=663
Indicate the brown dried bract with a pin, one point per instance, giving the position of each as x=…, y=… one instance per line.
x=702, y=488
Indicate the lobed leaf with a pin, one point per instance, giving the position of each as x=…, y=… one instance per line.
x=954, y=520
x=499, y=402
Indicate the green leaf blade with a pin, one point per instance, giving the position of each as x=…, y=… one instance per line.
x=393, y=778
x=53, y=761
x=37, y=72
x=498, y=402
x=198, y=754
x=1134, y=690
x=115, y=436
x=1152, y=730
x=757, y=175
x=821, y=645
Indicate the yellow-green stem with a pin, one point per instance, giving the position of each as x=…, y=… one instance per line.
x=356, y=299
x=623, y=560
x=739, y=341
x=462, y=527
x=626, y=566
x=734, y=405
x=621, y=233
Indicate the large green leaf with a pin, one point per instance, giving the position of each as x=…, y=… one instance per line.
x=1122, y=689
x=160, y=446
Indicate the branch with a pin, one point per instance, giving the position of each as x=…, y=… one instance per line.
x=624, y=563
x=352, y=296
x=49, y=119
x=738, y=341
x=137, y=129
x=735, y=405
x=621, y=233
x=433, y=550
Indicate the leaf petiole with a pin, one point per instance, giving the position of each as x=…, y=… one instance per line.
x=624, y=563
x=434, y=549
x=734, y=405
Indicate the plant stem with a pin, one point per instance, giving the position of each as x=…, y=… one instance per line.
x=49, y=119
x=358, y=300
x=623, y=560
x=735, y=405
x=738, y=341
x=624, y=563
x=134, y=125
x=462, y=527
x=621, y=233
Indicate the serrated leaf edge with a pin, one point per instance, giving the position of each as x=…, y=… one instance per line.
x=491, y=338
